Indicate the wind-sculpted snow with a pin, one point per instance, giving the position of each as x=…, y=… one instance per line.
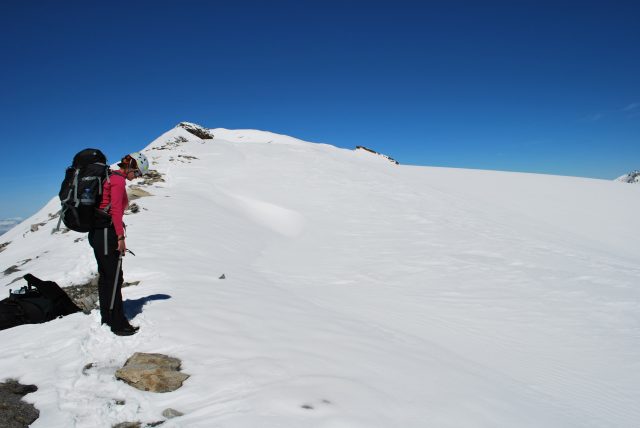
x=357, y=293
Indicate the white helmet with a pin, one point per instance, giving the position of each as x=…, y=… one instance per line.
x=141, y=161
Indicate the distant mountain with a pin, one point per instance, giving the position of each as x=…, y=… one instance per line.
x=8, y=224
x=632, y=177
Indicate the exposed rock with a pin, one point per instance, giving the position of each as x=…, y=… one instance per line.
x=85, y=296
x=196, y=130
x=15, y=413
x=632, y=177
x=152, y=372
x=15, y=280
x=171, y=413
x=390, y=159
x=55, y=230
x=171, y=144
x=138, y=424
x=11, y=269
x=135, y=192
x=152, y=177
x=133, y=209
x=4, y=245
x=35, y=227
x=128, y=425
x=223, y=276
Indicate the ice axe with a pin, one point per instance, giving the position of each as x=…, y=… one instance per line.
x=115, y=286
x=115, y=282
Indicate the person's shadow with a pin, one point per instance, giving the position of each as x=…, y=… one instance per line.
x=133, y=308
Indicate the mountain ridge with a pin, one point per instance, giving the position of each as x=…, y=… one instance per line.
x=357, y=293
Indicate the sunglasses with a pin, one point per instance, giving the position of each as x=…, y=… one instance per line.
x=136, y=173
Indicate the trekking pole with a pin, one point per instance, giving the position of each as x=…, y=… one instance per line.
x=115, y=286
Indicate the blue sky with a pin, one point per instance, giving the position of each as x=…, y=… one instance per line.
x=532, y=86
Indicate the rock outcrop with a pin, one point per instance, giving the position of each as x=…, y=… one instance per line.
x=15, y=413
x=632, y=177
x=390, y=159
x=196, y=130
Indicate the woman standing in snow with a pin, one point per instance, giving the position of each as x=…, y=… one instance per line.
x=107, y=239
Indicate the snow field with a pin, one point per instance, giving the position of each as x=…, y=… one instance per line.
x=357, y=294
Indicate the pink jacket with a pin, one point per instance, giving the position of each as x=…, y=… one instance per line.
x=114, y=192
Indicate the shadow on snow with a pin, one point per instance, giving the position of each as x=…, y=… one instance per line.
x=132, y=308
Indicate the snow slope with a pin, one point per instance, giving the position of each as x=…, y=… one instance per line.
x=358, y=293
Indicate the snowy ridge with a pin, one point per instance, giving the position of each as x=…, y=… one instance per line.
x=358, y=293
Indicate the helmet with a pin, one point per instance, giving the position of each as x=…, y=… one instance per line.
x=141, y=161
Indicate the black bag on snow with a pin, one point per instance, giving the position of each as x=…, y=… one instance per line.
x=81, y=190
x=37, y=302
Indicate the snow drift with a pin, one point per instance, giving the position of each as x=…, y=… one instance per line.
x=358, y=293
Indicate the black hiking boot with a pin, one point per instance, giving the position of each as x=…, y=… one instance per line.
x=127, y=330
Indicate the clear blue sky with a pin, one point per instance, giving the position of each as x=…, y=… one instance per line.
x=549, y=87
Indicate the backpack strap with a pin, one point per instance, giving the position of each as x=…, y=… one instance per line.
x=75, y=189
x=108, y=207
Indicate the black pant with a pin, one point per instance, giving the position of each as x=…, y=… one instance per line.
x=104, y=242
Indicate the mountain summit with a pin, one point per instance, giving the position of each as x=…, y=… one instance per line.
x=305, y=285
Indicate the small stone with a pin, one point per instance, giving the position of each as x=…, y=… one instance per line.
x=171, y=413
x=128, y=425
x=133, y=209
x=129, y=284
x=223, y=277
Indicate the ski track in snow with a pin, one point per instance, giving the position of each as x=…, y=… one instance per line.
x=358, y=294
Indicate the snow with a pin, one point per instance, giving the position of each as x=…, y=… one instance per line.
x=358, y=293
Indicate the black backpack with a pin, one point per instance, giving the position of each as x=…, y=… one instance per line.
x=37, y=302
x=81, y=190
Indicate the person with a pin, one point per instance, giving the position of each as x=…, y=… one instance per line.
x=108, y=240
